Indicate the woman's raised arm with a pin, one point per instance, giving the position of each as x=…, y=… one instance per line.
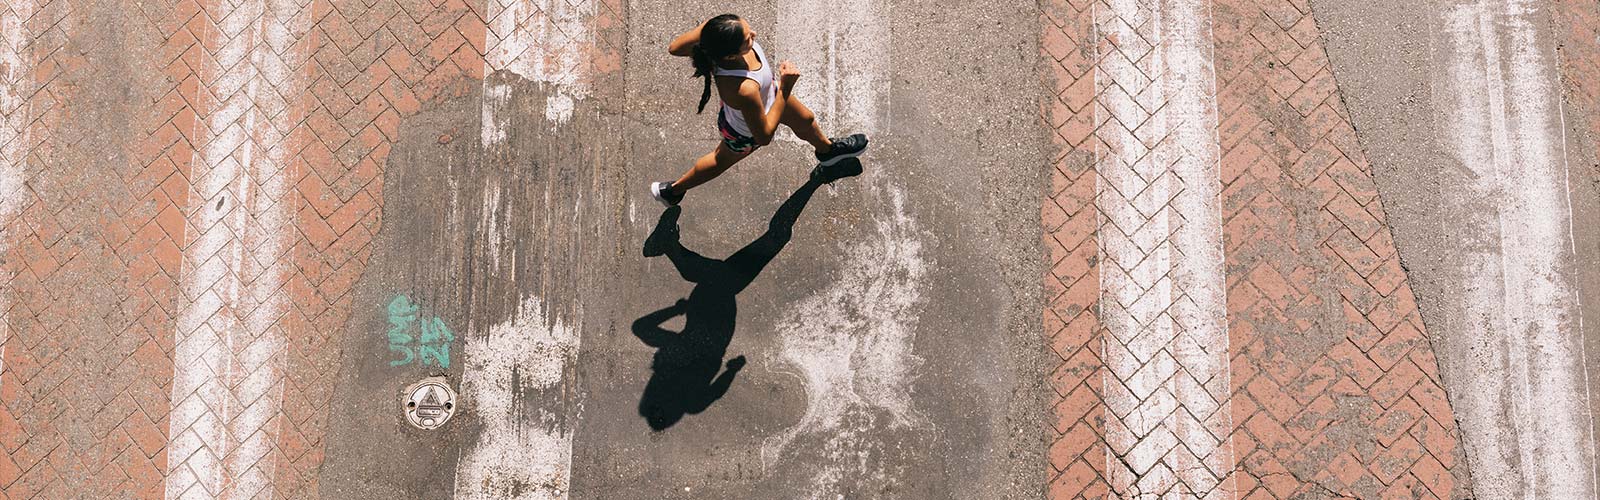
x=684, y=44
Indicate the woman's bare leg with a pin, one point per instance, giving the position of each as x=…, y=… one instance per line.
x=796, y=116
x=708, y=167
x=803, y=122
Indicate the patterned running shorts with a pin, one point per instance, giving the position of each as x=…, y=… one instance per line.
x=731, y=138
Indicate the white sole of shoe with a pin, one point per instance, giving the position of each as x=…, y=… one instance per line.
x=840, y=158
x=655, y=192
x=837, y=159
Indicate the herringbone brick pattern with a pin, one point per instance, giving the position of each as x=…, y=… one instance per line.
x=248, y=196
x=1161, y=276
x=229, y=377
x=1346, y=394
x=83, y=390
x=372, y=65
x=1333, y=386
x=549, y=40
x=1078, y=452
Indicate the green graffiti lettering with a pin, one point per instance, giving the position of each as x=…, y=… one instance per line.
x=434, y=332
x=401, y=307
x=402, y=349
x=401, y=314
x=432, y=346
x=438, y=354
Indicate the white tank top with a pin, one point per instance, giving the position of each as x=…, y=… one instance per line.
x=763, y=77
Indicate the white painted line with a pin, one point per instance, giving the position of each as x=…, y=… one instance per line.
x=496, y=100
x=851, y=343
x=492, y=219
x=1525, y=413
x=841, y=48
x=1577, y=295
x=511, y=381
x=543, y=41
x=524, y=451
x=1161, y=274
x=228, y=367
x=16, y=74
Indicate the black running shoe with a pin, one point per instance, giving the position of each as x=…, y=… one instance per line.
x=662, y=192
x=850, y=167
x=664, y=235
x=846, y=147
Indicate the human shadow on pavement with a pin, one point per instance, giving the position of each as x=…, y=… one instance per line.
x=685, y=378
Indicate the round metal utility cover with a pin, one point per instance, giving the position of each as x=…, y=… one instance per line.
x=428, y=403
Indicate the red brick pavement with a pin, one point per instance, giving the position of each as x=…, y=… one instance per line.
x=373, y=64
x=1334, y=389
x=84, y=398
x=89, y=274
x=1078, y=452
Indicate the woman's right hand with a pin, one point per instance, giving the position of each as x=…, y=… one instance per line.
x=788, y=74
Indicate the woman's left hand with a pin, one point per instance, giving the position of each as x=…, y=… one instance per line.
x=788, y=75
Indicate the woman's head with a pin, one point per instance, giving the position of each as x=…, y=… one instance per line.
x=725, y=37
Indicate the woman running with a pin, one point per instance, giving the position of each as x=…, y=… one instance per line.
x=724, y=50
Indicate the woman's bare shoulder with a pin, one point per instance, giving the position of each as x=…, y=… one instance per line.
x=736, y=90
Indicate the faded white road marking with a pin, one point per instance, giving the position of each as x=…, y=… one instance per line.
x=510, y=381
x=1525, y=413
x=16, y=75
x=492, y=218
x=496, y=100
x=852, y=345
x=842, y=50
x=1161, y=276
x=852, y=342
x=542, y=41
x=524, y=452
x=228, y=367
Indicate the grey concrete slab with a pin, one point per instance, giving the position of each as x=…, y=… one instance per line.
x=1399, y=66
x=472, y=230
x=892, y=342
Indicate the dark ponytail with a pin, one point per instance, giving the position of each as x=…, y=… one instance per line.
x=722, y=36
x=703, y=66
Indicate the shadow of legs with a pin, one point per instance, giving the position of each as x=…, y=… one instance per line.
x=685, y=378
x=749, y=261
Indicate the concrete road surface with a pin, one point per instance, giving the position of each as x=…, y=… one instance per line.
x=887, y=336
